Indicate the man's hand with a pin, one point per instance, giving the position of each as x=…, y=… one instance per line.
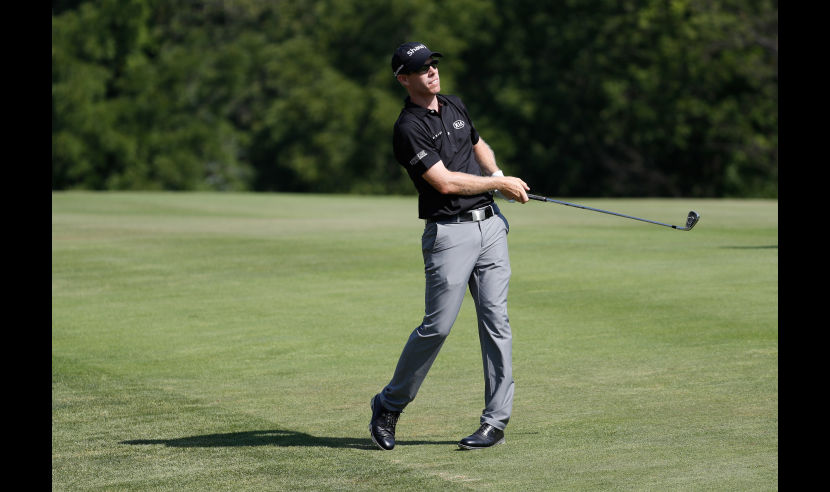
x=513, y=188
x=498, y=192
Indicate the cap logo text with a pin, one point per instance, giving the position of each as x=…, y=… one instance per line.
x=411, y=51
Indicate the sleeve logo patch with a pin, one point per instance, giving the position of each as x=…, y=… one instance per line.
x=420, y=155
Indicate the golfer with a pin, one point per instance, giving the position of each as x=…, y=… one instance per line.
x=464, y=245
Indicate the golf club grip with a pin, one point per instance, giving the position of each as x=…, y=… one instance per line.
x=537, y=197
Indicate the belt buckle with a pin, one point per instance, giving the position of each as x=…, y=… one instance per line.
x=479, y=214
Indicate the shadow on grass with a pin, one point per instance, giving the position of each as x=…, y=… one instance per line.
x=771, y=246
x=270, y=438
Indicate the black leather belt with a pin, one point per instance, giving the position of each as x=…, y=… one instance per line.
x=471, y=216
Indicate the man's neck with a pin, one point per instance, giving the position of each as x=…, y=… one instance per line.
x=430, y=101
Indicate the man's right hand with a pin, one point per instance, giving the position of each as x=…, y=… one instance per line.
x=513, y=188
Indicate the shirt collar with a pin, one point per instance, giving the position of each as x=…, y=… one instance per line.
x=420, y=110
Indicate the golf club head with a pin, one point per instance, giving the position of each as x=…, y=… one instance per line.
x=692, y=219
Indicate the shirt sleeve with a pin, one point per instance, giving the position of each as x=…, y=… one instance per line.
x=414, y=149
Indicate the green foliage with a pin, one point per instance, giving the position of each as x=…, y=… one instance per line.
x=589, y=97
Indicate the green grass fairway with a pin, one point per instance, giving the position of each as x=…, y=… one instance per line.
x=209, y=341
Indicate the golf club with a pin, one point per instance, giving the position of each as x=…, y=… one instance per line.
x=691, y=220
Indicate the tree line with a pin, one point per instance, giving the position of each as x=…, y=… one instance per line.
x=578, y=97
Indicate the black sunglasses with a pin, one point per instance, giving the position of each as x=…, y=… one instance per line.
x=425, y=68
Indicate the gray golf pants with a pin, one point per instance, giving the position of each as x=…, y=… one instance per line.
x=457, y=256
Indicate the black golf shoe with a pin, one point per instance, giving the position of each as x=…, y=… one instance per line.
x=484, y=437
x=382, y=426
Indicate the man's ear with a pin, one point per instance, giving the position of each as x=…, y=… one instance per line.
x=403, y=79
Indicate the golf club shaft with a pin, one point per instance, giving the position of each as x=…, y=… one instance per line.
x=546, y=199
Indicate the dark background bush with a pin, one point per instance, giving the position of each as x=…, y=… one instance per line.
x=578, y=97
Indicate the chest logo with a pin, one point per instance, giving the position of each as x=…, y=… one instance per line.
x=458, y=124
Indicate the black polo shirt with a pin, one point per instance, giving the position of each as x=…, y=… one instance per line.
x=422, y=137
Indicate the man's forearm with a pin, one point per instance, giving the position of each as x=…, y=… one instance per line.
x=457, y=183
x=485, y=157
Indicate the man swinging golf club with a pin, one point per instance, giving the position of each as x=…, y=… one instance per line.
x=464, y=245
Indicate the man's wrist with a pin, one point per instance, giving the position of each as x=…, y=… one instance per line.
x=499, y=174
